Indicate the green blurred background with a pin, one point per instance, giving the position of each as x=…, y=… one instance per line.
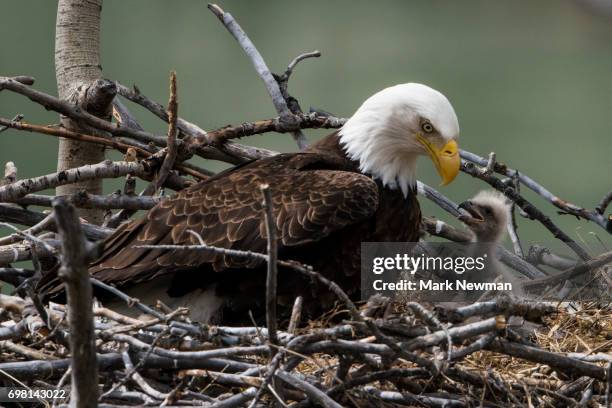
x=529, y=80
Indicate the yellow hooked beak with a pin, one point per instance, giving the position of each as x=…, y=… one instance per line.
x=446, y=159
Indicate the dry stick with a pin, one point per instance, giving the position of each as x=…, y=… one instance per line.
x=16, y=215
x=512, y=226
x=73, y=272
x=538, y=189
x=122, y=114
x=296, y=314
x=122, y=146
x=22, y=252
x=572, y=272
x=33, y=230
x=106, y=169
x=554, y=360
x=70, y=134
x=113, y=361
x=144, y=385
x=171, y=152
x=271, y=284
x=280, y=104
x=304, y=121
x=85, y=200
x=16, y=118
x=272, y=273
x=129, y=300
x=159, y=110
x=140, y=137
x=311, y=391
x=283, y=81
x=474, y=171
x=76, y=113
x=196, y=139
x=442, y=229
x=603, y=204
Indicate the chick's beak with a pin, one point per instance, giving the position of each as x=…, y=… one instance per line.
x=445, y=158
x=473, y=210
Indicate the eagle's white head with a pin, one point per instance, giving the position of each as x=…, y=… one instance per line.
x=396, y=125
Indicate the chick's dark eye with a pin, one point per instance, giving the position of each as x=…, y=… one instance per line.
x=427, y=127
x=487, y=211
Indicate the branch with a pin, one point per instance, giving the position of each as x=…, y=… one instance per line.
x=73, y=272
x=83, y=199
x=565, y=206
x=572, y=272
x=106, y=169
x=171, y=152
x=311, y=391
x=123, y=145
x=74, y=112
x=16, y=215
x=262, y=70
x=271, y=277
x=603, y=204
x=474, y=171
x=304, y=121
x=134, y=95
x=554, y=360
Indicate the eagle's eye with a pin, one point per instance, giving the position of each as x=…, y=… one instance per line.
x=427, y=127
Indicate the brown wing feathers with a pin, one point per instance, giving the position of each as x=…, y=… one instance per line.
x=311, y=199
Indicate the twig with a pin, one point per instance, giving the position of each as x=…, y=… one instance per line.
x=85, y=200
x=121, y=144
x=73, y=272
x=313, y=393
x=144, y=385
x=272, y=271
x=171, y=151
x=526, y=206
x=134, y=95
x=555, y=360
x=286, y=116
x=304, y=121
x=512, y=226
x=16, y=215
x=33, y=230
x=16, y=118
x=22, y=252
x=572, y=272
x=296, y=313
x=565, y=206
x=489, y=168
x=297, y=60
x=25, y=351
x=603, y=204
x=106, y=169
x=68, y=109
x=129, y=300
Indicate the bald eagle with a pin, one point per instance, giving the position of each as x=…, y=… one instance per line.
x=355, y=185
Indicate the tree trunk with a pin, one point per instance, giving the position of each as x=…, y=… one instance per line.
x=77, y=68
